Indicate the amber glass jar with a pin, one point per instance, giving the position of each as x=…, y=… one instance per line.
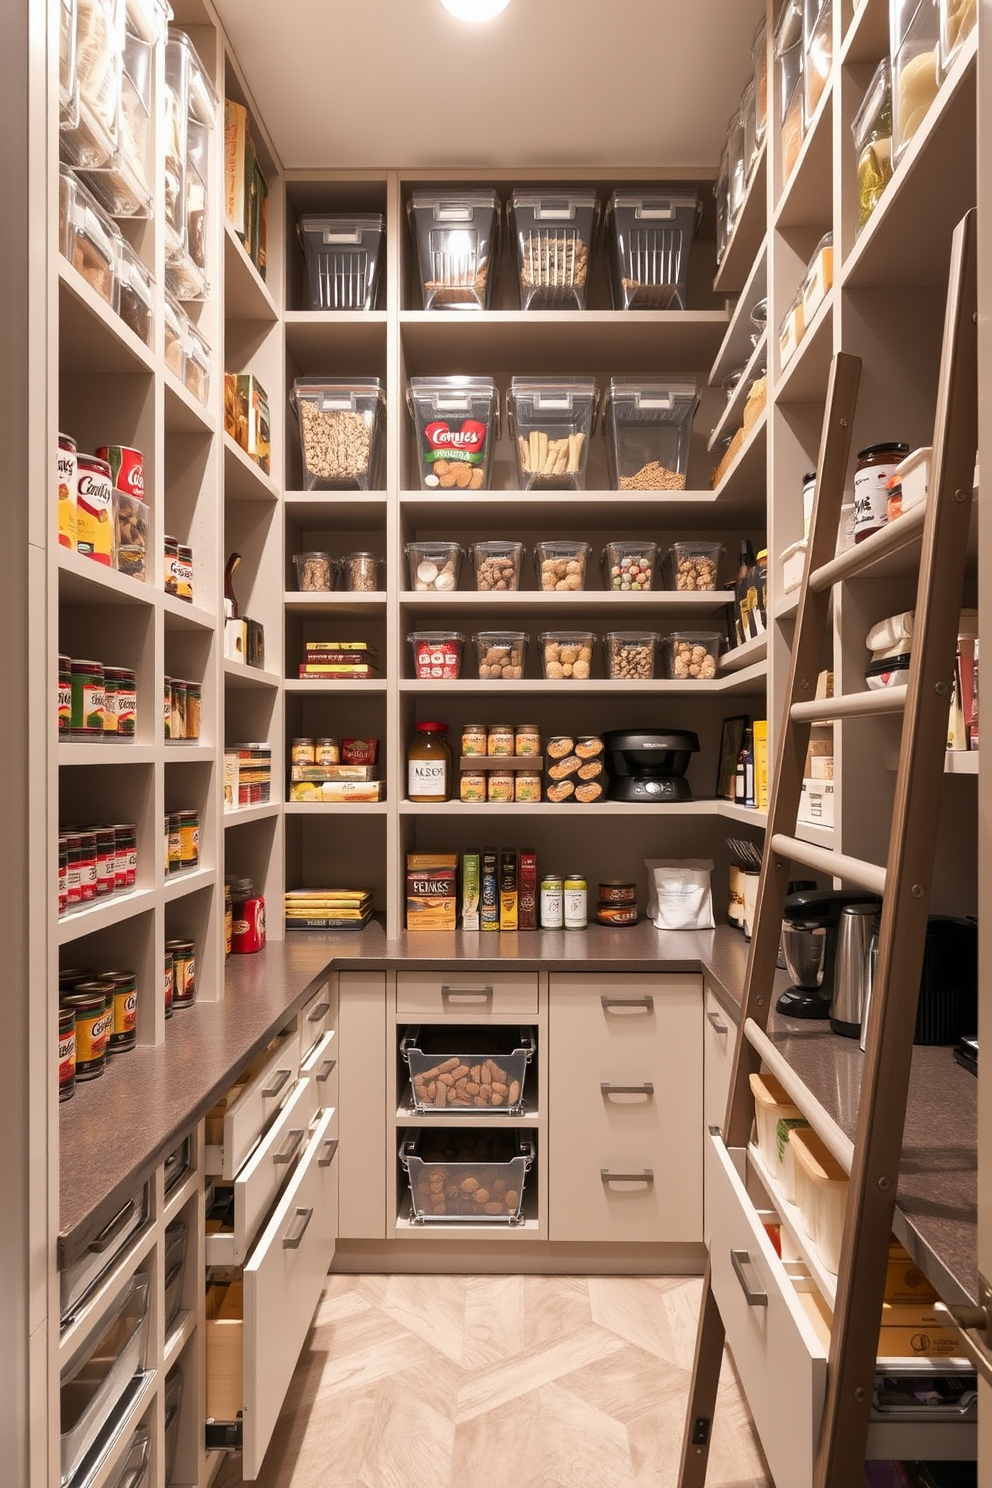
x=429, y=764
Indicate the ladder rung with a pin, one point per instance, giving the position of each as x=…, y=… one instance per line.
x=867, y=876
x=850, y=705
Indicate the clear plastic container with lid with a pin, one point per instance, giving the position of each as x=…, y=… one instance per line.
x=567, y=654
x=500, y=654
x=871, y=129
x=561, y=565
x=342, y=432
x=88, y=137
x=651, y=242
x=186, y=272
x=789, y=62
x=819, y=277
x=125, y=184
x=342, y=254
x=957, y=21
x=759, y=63
x=554, y=235
x=736, y=165
x=551, y=422
x=497, y=564
x=630, y=564
x=68, y=91
x=457, y=423
x=175, y=323
x=196, y=366
x=135, y=291
x=87, y=236
x=817, y=51
x=914, y=33
x=433, y=566
x=648, y=432
x=721, y=191
x=456, y=238
x=437, y=654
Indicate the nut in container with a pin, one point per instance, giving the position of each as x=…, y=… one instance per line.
x=554, y=247
x=467, y=1176
x=552, y=420
x=648, y=432
x=500, y=654
x=342, y=430
x=467, y=1068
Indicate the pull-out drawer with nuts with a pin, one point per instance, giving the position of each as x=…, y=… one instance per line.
x=455, y=994
x=235, y=1124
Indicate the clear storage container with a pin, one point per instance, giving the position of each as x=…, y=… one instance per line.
x=173, y=1406
x=692, y=566
x=437, y=654
x=721, y=191
x=736, y=165
x=651, y=241
x=914, y=33
x=692, y=655
x=817, y=51
x=316, y=572
x=497, y=564
x=759, y=65
x=957, y=21
x=561, y=565
x=87, y=236
x=186, y=273
x=175, y=323
x=98, y=1253
x=125, y=186
x=819, y=277
x=456, y=238
x=433, y=566
x=630, y=654
x=551, y=422
x=500, y=654
x=342, y=253
x=871, y=130
x=630, y=564
x=173, y=116
x=467, y=1176
x=68, y=91
x=196, y=366
x=175, y=1263
x=457, y=423
x=821, y=1194
x=789, y=61
x=88, y=137
x=133, y=1471
x=566, y=655
x=92, y=1386
x=648, y=430
x=554, y=236
x=467, y=1068
x=135, y=291
x=190, y=114
x=750, y=127
x=342, y=432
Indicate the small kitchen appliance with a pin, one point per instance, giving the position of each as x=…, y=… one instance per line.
x=809, y=944
x=649, y=764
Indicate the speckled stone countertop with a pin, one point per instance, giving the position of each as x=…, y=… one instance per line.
x=116, y=1129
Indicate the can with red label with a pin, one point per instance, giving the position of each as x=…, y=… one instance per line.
x=67, y=1052
x=127, y=468
x=94, y=509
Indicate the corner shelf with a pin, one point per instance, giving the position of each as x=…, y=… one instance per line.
x=749, y=229
x=243, y=479
x=236, y=674
x=246, y=294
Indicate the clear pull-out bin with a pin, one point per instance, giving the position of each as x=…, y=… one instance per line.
x=135, y=291
x=342, y=255
x=817, y=51
x=914, y=30
x=87, y=236
x=648, y=431
x=125, y=187
x=175, y=323
x=789, y=64
x=957, y=21
x=341, y=432
x=871, y=129
x=554, y=236
x=133, y=1471
x=196, y=366
x=88, y=137
x=68, y=93
x=551, y=420
x=457, y=424
x=456, y=238
x=651, y=239
x=93, y=1385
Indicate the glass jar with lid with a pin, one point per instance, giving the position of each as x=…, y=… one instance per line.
x=871, y=130
x=429, y=764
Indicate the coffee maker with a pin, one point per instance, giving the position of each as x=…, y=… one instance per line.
x=649, y=764
x=811, y=919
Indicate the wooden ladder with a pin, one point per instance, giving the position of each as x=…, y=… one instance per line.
x=904, y=883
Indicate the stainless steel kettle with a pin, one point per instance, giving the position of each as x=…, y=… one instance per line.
x=851, y=968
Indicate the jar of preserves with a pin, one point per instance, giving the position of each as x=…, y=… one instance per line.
x=500, y=787
x=527, y=785
x=87, y=700
x=326, y=752
x=189, y=839
x=472, y=786
x=474, y=738
x=171, y=557
x=876, y=465
x=429, y=764
x=527, y=739
x=184, y=572
x=500, y=738
x=302, y=752
x=64, y=704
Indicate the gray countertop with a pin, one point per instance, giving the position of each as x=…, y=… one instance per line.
x=150, y=1097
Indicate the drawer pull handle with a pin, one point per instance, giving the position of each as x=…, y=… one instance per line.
x=330, y=1147
x=271, y=1091
x=643, y=1175
x=627, y=1005
x=715, y=1021
x=326, y=1070
x=321, y=1011
x=109, y=1233
x=467, y=994
x=289, y=1147
x=609, y=1089
x=293, y=1236
x=739, y=1259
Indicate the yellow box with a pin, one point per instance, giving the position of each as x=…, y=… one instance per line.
x=337, y=790
x=941, y=1342
x=759, y=731
x=904, y=1281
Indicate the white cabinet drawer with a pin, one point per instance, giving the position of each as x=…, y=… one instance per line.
x=315, y=1018
x=719, y=1043
x=261, y=1178
x=321, y=1071
x=251, y=1109
x=467, y=995
x=779, y=1357
x=256, y=1329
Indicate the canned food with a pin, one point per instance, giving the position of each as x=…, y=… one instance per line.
x=183, y=972
x=184, y=573
x=124, y=1008
x=64, y=703
x=66, y=480
x=123, y=680
x=527, y=785
x=87, y=867
x=472, y=786
x=125, y=855
x=175, y=841
x=94, y=509
x=67, y=1052
x=189, y=839
x=90, y=1003
x=500, y=787
x=106, y=855
x=194, y=702
x=86, y=701
x=177, y=726
x=127, y=469
x=500, y=738
x=527, y=739
x=616, y=914
x=302, y=752
x=167, y=709
x=63, y=890
x=574, y=901
x=551, y=905
x=168, y=985
x=474, y=738
x=109, y=702
x=171, y=557
x=73, y=870
x=617, y=891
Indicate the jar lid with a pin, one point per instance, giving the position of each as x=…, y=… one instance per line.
x=432, y=728
x=327, y=739
x=87, y=666
x=240, y=887
x=301, y=739
x=617, y=883
x=871, y=450
x=528, y=728
x=184, y=947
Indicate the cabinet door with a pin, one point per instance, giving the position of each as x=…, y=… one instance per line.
x=625, y=1108
x=362, y=1087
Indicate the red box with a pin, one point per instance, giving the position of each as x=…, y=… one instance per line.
x=359, y=751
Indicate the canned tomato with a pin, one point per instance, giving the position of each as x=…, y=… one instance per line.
x=64, y=697
x=73, y=870
x=127, y=468
x=87, y=867
x=67, y=1052
x=106, y=854
x=124, y=1007
x=574, y=894
x=90, y=1002
x=86, y=700
x=125, y=855
x=551, y=905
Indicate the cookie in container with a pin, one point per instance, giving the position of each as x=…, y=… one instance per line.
x=457, y=422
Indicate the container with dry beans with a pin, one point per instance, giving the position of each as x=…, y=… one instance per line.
x=648, y=432
x=630, y=565
x=692, y=655
x=362, y=573
x=341, y=432
x=630, y=654
x=497, y=565
x=561, y=565
x=315, y=572
x=692, y=566
x=567, y=654
x=433, y=566
x=500, y=654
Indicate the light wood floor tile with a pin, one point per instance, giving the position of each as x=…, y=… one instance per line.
x=408, y=1444
x=501, y=1448
x=554, y=1305
x=533, y=1369
x=582, y=1447
x=432, y=1308
x=495, y=1320
x=629, y=1384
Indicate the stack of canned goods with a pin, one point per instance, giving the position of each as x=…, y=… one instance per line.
x=182, y=841
x=306, y=751
x=517, y=776
x=181, y=704
x=617, y=904
x=180, y=975
x=95, y=861
x=96, y=701
x=563, y=902
x=98, y=1018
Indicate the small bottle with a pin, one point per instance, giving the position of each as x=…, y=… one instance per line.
x=744, y=779
x=429, y=764
x=551, y=909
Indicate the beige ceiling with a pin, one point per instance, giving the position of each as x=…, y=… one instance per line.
x=556, y=83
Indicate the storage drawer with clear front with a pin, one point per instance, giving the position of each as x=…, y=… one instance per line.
x=342, y=255
x=554, y=247
x=467, y=1068
x=102, y=1380
x=651, y=240
x=94, y=1253
x=467, y=1176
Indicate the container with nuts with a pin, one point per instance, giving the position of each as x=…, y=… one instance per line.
x=692, y=655
x=629, y=565
x=433, y=566
x=362, y=572
x=315, y=572
x=497, y=565
x=692, y=566
x=467, y=1175
x=567, y=654
x=561, y=565
x=648, y=433
x=630, y=654
x=342, y=429
x=490, y=1076
x=500, y=654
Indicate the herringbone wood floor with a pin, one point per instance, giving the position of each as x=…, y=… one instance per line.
x=500, y=1382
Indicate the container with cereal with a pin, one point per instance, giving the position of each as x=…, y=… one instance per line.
x=342, y=430
x=554, y=247
x=629, y=565
x=648, y=431
x=500, y=654
x=497, y=565
x=457, y=424
x=567, y=655
x=456, y=238
x=692, y=566
x=692, y=655
x=433, y=566
x=436, y=654
x=630, y=654
x=551, y=420
x=561, y=565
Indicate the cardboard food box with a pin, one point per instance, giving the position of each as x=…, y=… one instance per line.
x=816, y=803
x=431, y=891
x=317, y=791
x=904, y=1281
x=913, y=1331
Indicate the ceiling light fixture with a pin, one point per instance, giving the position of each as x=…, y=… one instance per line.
x=475, y=10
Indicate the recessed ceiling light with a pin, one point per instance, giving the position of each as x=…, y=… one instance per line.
x=475, y=10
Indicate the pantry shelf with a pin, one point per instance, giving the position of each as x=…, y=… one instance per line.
x=246, y=295
x=114, y=752
x=242, y=814
x=236, y=674
x=608, y=605
x=891, y=552
x=732, y=416
x=182, y=616
x=749, y=230
x=243, y=479
x=325, y=808
x=83, y=579
x=804, y=379
x=806, y=197
x=749, y=815
x=559, y=811
x=340, y=685
x=961, y=762
x=92, y=339
x=816, y=835
x=745, y=655
x=737, y=347
x=102, y=913
x=188, y=881
x=184, y=414
x=340, y=510
x=336, y=604
x=751, y=679
x=317, y=339
x=744, y=484
x=867, y=37
x=703, y=509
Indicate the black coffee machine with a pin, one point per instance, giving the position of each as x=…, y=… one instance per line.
x=810, y=922
x=649, y=764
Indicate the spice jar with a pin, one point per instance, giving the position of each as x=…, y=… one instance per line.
x=876, y=465
x=500, y=785
x=67, y=1053
x=183, y=972
x=527, y=739
x=474, y=737
x=248, y=924
x=184, y=573
x=302, y=752
x=123, y=680
x=171, y=558
x=87, y=700
x=429, y=764
x=64, y=704
x=472, y=786
x=124, y=1010
x=500, y=738
x=326, y=752
x=361, y=572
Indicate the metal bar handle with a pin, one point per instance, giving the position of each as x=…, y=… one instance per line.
x=293, y=1236
x=609, y=1089
x=974, y=1325
x=715, y=1022
x=289, y=1147
x=330, y=1147
x=643, y=1175
x=110, y=1231
x=752, y=1296
x=466, y=994
x=627, y=1005
x=271, y=1091
x=321, y=1011
x=325, y=1071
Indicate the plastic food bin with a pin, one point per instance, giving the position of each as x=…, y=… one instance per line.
x=173, y=1405
x=437, y=654
x=124, y=185
x=342, y=255
x=630, y=654
x=651, y=241
x=692, y=566
x=467, y=1176
x=87, y=236
x=315, y=572
x=135, y=291
x=554, y=236
x=817, y=51
x=630, y=565
x=175, y=322
x=93, y=1384
x=648, y=430
x=957, y=20
x=497, y=564
x=456, y=238
x=821, y=1193
x=914, y=32
x=342, y=432
x=196, y=365
x=871, y=129
x=133, y=1471
x=88, y=136
x=452, y=1068
x=457, y=424
x=819, y=277
x=566, y=655
x=789, y=62
x=500, y=654
x=771, y=1106
x=551, y=420
x=692, y=655
x=561, y=565
x=433, y=566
